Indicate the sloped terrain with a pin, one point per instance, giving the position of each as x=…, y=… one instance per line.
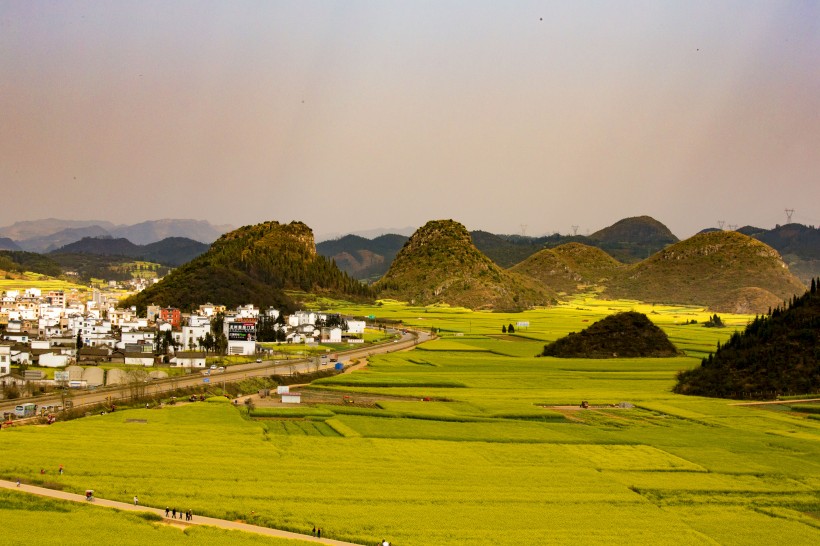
x=714, y=269
x=440, y=264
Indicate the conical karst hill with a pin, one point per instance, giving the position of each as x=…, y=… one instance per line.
x=440, y=264
x=723, y=270
x=253, y=264
x=569, y=268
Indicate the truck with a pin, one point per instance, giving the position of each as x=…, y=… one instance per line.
x=25, y=410
x=334, y=357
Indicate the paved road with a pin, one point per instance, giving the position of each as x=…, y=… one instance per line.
x=231, y=374
x=198, y=520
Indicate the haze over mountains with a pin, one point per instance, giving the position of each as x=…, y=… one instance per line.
x=52, y=233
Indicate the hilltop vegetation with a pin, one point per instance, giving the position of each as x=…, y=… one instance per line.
x=775, y=354
x=19, y=261
x=622, y=335
x=726, y=271
x=633, y=239
x=439, y=264
x=253, y=264
x=569, y=268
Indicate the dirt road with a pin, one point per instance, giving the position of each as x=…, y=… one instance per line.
x=198, y=520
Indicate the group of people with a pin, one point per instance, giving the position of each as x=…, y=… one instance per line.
x=189, y=515
x=317, y=531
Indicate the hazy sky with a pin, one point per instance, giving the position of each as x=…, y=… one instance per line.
x=355, y=115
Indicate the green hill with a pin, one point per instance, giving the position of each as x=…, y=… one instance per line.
x=633, y=239
x=622, y=335
x=774, y=355
x=253, y=264
x=440, y=264
x=724, y=270
x=569, y=268
x=19, y=261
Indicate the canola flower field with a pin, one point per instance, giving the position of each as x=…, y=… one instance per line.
x=473, y=440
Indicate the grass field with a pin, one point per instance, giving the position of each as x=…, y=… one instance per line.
x=489, y=459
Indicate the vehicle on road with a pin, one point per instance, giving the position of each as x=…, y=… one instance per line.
x=25, y=410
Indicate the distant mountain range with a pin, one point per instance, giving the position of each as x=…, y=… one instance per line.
x=725, y=271
x=172, y=251
x=52, y=233
x=629, y=241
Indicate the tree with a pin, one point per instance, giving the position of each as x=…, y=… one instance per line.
x=80, y=343
x=221, y=343
x=511, y=329
x=503, y=329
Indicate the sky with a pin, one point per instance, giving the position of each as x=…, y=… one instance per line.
x=511, y=117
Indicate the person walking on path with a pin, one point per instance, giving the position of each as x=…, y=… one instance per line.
x=136, y=500
x=167, y=510
x=319, y=532
x=61, y=470
x=174, y=512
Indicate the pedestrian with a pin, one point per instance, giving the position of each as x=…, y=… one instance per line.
x=174, y=513
x=167, y=511
x=319, y=532
x=136, y=500
x=61, y=470
x=314, y=527
x=18, y=482
x=42, y=471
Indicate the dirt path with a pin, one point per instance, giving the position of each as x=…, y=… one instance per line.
x=198, y=520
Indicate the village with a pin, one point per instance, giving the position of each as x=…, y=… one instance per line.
x=50, y=340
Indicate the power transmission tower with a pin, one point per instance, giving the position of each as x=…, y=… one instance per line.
x=523, y=229
x=732, y=227
x=789, y=213
x=575, y=230
x=720, y=224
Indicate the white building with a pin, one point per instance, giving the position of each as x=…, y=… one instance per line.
x=355, y=326
x=5, y=360
x=189, y=359
x=52, y=360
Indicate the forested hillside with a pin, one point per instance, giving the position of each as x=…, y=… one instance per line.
x=776, y=354
x=253, y=264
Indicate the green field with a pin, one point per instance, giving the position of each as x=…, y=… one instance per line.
x=464, y=446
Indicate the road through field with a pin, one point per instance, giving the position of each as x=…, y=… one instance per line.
x=198, y=520
x=230, y=374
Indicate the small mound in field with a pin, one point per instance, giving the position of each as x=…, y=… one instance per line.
x=623, y=335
